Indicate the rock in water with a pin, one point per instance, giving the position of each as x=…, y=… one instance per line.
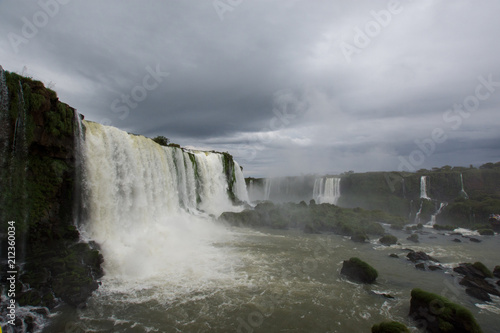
x=358, y=270
x=359, y=238
x=496, y=271
x=413, y=238
x=388, y=240
x=439, y=315
x=420, y=256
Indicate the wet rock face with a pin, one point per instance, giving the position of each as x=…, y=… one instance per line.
x=57, y=267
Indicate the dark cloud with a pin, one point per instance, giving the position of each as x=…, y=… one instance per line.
x=272, y=82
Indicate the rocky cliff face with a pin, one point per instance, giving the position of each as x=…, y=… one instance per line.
x=38, y=191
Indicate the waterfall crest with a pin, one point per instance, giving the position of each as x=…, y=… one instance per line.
x=326, y=190
x=423, y=188
x=148, y=205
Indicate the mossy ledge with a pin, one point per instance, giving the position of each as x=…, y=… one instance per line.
x=39, y=166
x=438, y=315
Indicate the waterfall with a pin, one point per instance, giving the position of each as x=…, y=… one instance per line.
x=148, y=206
x=417, y=216
x=423, y=188
x=462, y=191
x=433, y=216
x=267, y=188
x=326, y=190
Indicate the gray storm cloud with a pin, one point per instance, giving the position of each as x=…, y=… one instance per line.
x=287, y=87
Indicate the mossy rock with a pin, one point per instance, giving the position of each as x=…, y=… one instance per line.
x=359, y=238
x=388, y=240
x=390, y=327
x=486, y=232
x=413, y=238
x=481, y=267
x=358, y=270
x=439, y=315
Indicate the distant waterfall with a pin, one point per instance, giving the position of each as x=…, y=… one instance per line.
x=462, y=191
x=326, y=190
x=423, y=188
x=267, y=188
x=143, y=202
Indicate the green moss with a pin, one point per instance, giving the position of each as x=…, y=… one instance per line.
x=451, y=317
x=481, y=267
x=390, y=327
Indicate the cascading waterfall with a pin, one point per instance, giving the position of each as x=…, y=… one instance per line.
x=326, y=190
x=462, y=191
x=433, y=216
x=423, y=188
x=148, y=206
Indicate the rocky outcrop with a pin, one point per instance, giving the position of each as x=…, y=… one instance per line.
x=358, y=270
x=437, y=314
x=419, y=256
x=475, y=282
x=39, y=162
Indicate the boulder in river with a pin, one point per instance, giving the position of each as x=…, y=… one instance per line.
x=420, y=256
x=358, y=270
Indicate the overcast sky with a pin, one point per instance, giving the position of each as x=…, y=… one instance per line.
x=287, y=87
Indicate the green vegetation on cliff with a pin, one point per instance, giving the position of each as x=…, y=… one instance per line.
x=38, y=176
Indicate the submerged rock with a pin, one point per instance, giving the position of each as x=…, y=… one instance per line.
x=435, y=267
x=393, y=255
x=437, y=314
x=420, y=266
x=456, y=240
x=390, y=327
x=358, y=270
